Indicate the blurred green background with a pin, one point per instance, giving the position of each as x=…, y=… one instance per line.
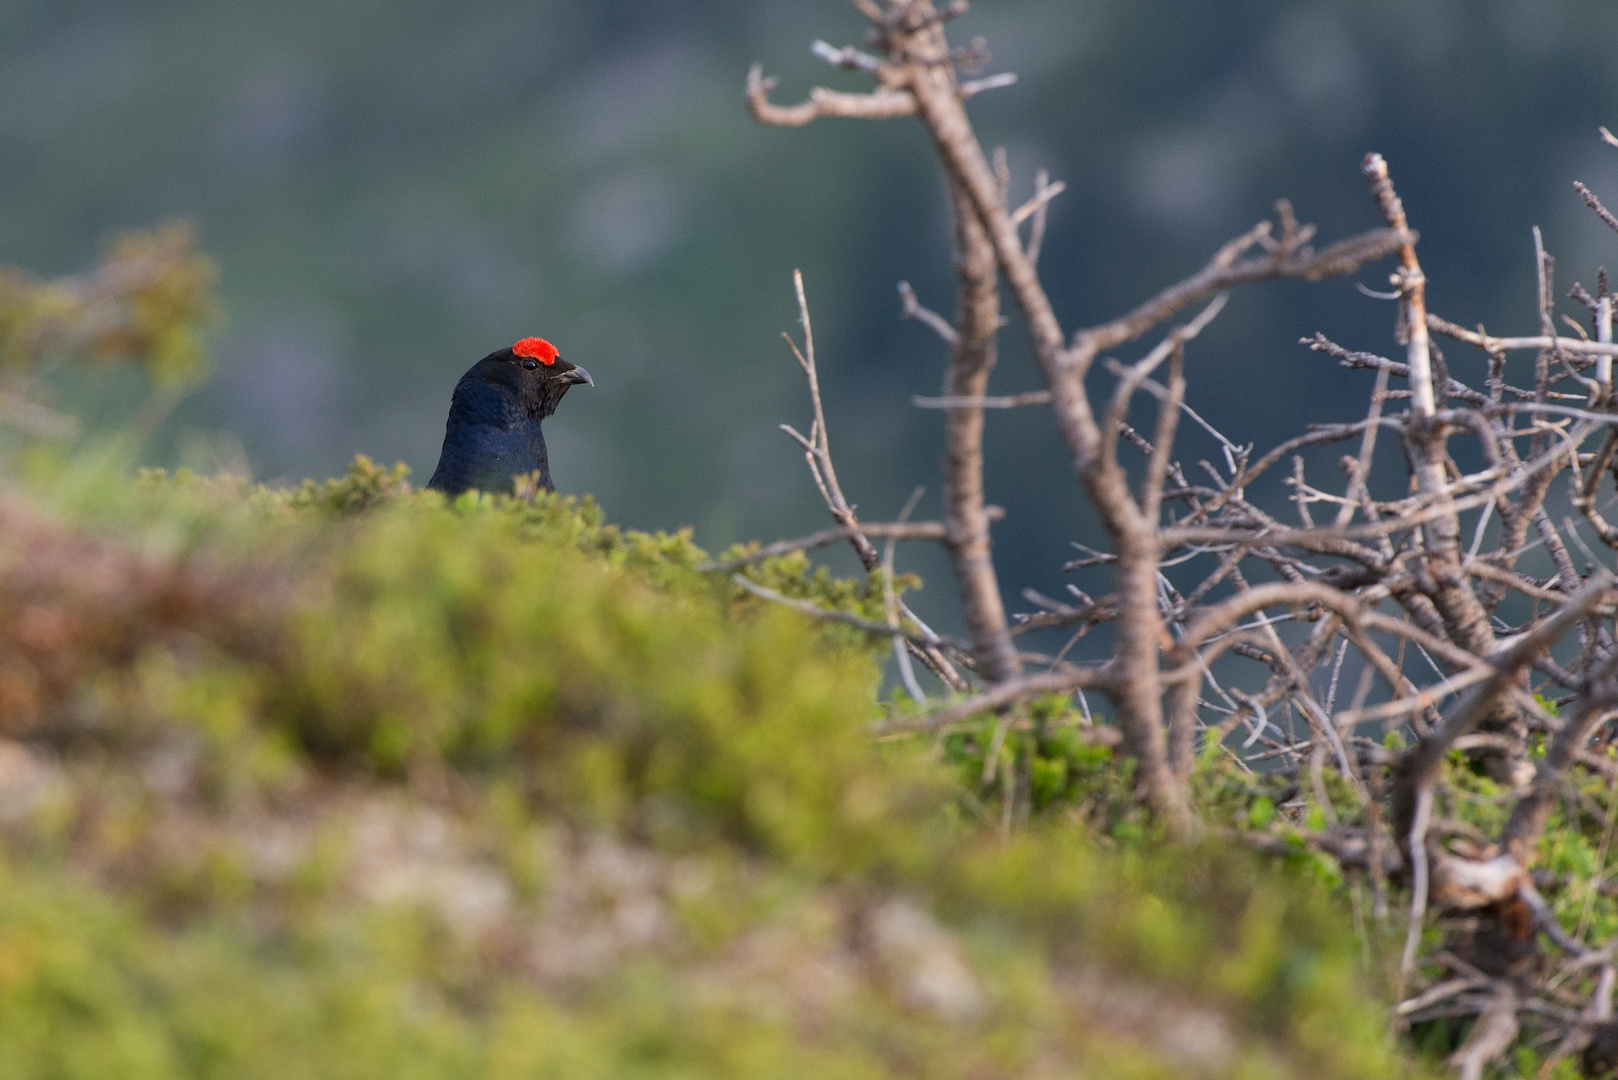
x=394, y=189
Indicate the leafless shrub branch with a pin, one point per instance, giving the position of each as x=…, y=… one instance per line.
x=1404, y=607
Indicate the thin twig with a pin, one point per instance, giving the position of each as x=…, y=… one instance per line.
x=890, y=606
x=1044, y=683
x=814, y=611
x=897, y=530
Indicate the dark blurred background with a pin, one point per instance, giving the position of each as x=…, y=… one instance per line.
x=394, y=189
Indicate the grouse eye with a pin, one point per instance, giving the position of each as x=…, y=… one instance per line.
x=530, y=364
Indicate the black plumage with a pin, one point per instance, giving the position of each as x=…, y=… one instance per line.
x=493, y=433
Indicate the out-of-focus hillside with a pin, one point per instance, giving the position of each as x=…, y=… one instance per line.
x=393, y=189
x=353, y=782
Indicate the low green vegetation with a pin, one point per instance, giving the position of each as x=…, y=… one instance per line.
x=352, y=781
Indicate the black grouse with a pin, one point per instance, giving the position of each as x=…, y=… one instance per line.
x=493, y=431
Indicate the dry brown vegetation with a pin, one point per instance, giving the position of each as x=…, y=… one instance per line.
x=1403, y=627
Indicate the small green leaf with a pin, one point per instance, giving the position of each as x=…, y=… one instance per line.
x=1262, y=813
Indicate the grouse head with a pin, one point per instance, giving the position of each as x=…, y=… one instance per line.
x=493, y=434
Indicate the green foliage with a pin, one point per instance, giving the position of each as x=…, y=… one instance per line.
x=149, y=302
x=1047, y=761
x=446, y=741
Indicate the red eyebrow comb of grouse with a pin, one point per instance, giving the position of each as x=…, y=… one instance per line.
x=536, y=349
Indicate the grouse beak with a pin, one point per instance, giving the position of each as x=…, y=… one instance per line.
x=578, y=375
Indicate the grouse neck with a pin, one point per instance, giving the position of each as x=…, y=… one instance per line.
x=484, y=403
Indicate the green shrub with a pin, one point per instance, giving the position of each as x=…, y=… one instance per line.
x=333, y=839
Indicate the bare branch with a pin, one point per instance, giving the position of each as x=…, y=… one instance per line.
x=972, y=357
x=912, y=309
x=1224, y=272
x=1063, y=681
x=890, y=607
x=1491, y=1036
x=1168, y=420
x=992, y=82
x=1594, y=703
x=817, y=454
x=1218, y=619
x=870, y=626
x=880, y=104
x=1442, y=992
x=1517, y=344
x=1041, y=199
x=1418, y=767
x=1139, y=373
x=898, y=530
x=1417, y=847
x=848, y=57
x=1594, y=203
x=819, y=445
x=1349, y=358
x=1015, y=401
x=1036, y=232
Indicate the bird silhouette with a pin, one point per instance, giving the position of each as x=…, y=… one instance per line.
x=493, y=433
